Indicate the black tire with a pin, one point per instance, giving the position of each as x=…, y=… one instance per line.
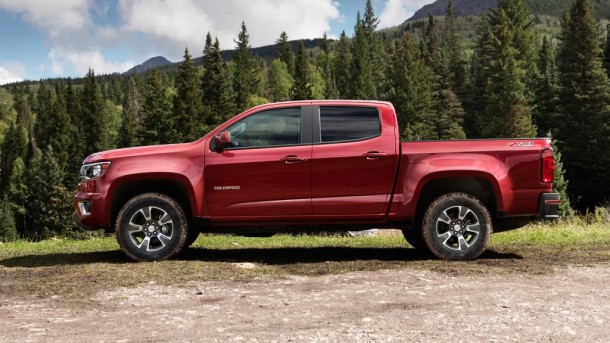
x=456, y=227
x=151, y=227
x=413, y=235
x=191, y=237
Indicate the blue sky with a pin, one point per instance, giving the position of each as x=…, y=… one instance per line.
x=52, y=38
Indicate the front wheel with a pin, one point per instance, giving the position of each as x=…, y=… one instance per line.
x=151, y=227
x=413, y=235
x=456, y=226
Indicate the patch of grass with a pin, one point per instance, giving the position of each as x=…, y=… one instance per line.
x=566, y=234
x=76, y=269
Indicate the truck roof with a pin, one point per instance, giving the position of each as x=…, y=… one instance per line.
x=322, y=103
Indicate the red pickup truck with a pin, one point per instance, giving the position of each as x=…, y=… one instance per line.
x=317, y=165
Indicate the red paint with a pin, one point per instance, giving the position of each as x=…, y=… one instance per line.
x=375, y=181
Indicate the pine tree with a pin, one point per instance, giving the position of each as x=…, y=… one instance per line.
x=455, y=65
x=17, y=195
x=283, y=51
x=361, y=69
x=342, y=67
x=475, y=100
x=410, y=90
x=301, y=89
x=432, y=51
x=226, y=98
x=60, y=135
x=46, y=215
x=560, y=185
x=450, y=114
x=450, y=117
x=279, y=81
x=583, y=134
x=157, y=125
x=512, y=71
x=43, y=107
x=218, y=95
x=607, y=51
x=15, y=146
x=548, y=89
x=376, y=52
x=95, y=135
x=245, y=77
x=8, y=230
x=209, y=81
x=331, y=91
x=131, y=124
x=187, y=103
x=79, y=144
x=325, y=45
x=324, y=63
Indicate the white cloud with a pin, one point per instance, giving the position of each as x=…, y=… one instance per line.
x=81, y=61
x=180, y=23
x=396, y=12
x=54, y=16
x=8, y=77
x=14, y=67
x=147, y=28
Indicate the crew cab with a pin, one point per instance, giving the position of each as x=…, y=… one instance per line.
x=317, y=165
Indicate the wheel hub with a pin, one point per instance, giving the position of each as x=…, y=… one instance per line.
x=457, y=228
x=151, y=228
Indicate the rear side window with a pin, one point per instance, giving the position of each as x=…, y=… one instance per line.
x=339, y=124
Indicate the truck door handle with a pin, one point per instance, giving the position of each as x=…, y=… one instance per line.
x=373, y=155
x=293, y=159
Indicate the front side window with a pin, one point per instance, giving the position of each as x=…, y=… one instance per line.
x=268, y=128
x=339, y=123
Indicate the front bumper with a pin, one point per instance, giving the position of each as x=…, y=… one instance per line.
x=548, y=206
x=94, y=215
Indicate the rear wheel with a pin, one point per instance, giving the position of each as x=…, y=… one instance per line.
x=456, y=226
x=151, y=227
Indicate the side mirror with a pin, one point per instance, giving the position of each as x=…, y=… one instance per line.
x=222, y=141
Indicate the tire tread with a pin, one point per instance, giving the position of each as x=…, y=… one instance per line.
x=450, y=255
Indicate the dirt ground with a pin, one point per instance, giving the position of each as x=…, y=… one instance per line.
x=568, y=304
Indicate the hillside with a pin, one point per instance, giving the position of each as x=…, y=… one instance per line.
x=151, y=63
x=460, y=7
x=266, y=52
x=540, y=7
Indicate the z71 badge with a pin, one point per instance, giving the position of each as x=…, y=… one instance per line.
x=521, y=144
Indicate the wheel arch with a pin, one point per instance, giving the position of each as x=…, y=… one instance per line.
x=127, y=189
x=480, y=185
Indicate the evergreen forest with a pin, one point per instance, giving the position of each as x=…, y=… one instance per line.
x=505, y=78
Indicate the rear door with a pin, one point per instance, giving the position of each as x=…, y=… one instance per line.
x=354, y=162
x=266, y=172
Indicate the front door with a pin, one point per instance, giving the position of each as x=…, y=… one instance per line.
x=266, y=172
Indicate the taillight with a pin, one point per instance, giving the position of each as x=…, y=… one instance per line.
x=547, y=167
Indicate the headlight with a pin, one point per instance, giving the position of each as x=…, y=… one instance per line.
x=93, y=170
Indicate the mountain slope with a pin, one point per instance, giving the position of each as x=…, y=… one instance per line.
x=554, y=8
x=460, y=8
x=150, y=63
x=266, y=52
